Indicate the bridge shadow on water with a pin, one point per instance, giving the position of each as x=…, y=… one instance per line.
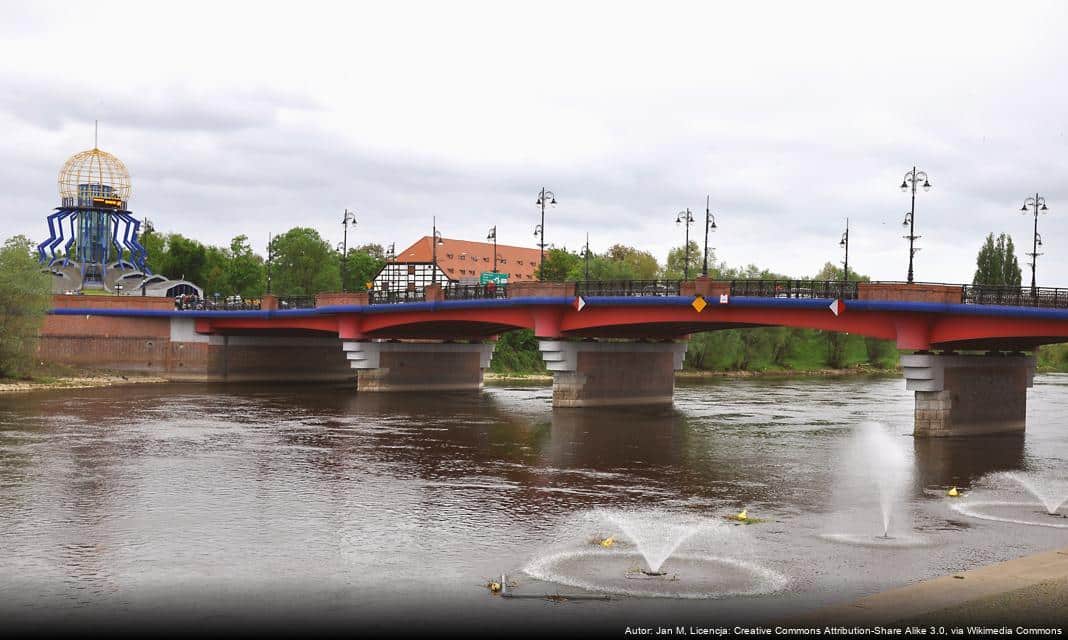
x=947, y=462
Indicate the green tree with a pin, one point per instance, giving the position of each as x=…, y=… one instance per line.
x=517, y=352
x=560, y=265
x=245, y=272
x=183, y=259
x=302, y=263
x=25, y=296
x=996, y=263
x=676, y=262
x=214, y=278
x=362, y=265
x=638, y=264
x=155, y=245
x=831, y=271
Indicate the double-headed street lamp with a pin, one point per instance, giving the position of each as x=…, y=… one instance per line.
x=685, y=217
x=844, y=243
x=493, y=236
x=435, y=240
x=544, y=198
x=349, y=218
x=1038, y=204
x=710, y=223
x=911, y=178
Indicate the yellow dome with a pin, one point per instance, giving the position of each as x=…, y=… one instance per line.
x=93, y=173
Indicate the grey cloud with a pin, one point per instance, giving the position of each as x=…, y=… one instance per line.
x=50, y=104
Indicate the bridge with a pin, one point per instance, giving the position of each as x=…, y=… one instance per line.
x=970, y=361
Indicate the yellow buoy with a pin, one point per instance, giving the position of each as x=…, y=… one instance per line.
x=495, y=587
x=742, y=515
x=608, y=542
x=953, y=493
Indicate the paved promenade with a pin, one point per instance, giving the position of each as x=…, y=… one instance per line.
x=1031, y=591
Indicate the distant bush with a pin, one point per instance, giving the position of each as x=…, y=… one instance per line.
x=25, y=292
x=517, y=352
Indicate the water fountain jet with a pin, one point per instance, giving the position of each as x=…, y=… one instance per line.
x=875, y=461
x=646, y=560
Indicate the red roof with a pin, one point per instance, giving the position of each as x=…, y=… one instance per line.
x=461, y=259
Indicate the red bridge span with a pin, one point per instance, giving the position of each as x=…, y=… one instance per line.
x=969, y=350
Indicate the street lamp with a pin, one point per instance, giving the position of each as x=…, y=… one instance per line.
x=270, y=259
x=844, y=243
x=435, y=240
x=1038, y=203
x=685, y=217
x=710, y=223
x=544, y=198
x=586, y=256
x=349, y=218
x=493, y=236
x=910, y=181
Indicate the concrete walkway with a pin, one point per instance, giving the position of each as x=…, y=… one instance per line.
x=1032, y=590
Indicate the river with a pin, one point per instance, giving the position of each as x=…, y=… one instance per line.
x=302, y=506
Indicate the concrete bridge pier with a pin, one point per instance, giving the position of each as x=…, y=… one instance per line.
x=963, y=395
x=418, y=365
x=612, y=374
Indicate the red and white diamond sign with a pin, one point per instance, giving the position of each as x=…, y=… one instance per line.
x=837, y=307
x=579, y=303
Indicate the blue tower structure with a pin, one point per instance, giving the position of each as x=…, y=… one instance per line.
x=97, y=233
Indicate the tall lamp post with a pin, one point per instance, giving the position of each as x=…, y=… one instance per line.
x=911, y=178
x=1038, y=203
x=844, y=243
x=586, y=256
x=710, y=223
x=349, y=218
x=544, y=198
x=493, y=236
x=685, y=217
x=435, y=240
x=270, y=259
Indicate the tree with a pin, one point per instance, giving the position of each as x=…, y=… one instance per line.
x=24, y=299
x=831, y=272
x=183, y=259
x=517, y=351
x=155, y=247
x=676, y=262
x=362, y=265
x=302, y=263
x=214, y=279
x=639, y=265
x=996, y=263
x=245, y=273
x=560, y=265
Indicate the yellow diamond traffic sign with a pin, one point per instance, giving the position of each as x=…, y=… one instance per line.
x=699, y=303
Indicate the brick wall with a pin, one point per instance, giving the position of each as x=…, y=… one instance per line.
x=941, y=293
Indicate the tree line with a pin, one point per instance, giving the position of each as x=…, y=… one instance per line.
x=298, y=262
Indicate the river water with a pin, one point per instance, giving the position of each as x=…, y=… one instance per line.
x=275, y=506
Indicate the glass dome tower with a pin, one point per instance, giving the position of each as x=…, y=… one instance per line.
x=92, y=219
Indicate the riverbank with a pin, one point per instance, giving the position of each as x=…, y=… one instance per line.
x=692, y=374
x=80, y=381
x=789, y=373
x=1030, y=591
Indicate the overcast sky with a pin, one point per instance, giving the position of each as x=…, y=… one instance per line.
x=253, y=118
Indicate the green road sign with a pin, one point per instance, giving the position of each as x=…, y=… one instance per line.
x=489, y=276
